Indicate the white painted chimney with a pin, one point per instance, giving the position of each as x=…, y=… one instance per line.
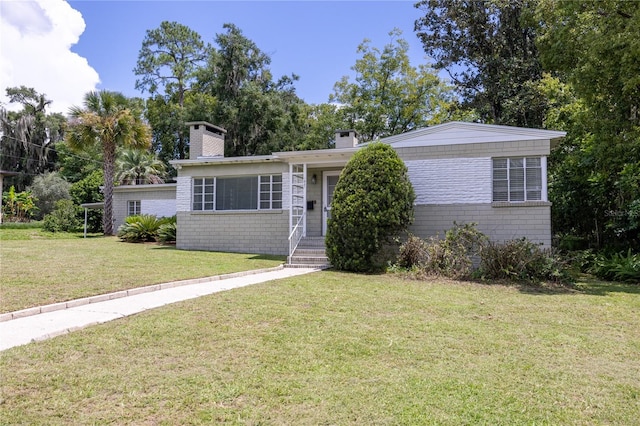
x=205, y=140
x=346, y=138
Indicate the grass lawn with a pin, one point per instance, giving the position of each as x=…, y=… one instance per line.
x=335, y=348
x=39, y=268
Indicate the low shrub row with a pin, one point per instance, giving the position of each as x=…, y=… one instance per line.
x=467, y=253
x=147, y=228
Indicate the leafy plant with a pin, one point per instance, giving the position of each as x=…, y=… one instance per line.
x=167, y=231
x=372, y=204
x=63, y=218
x=139, y=228
x=18, y=206
x=618, y=267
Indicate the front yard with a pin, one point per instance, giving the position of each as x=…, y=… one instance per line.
x=39, y=268
x=324, y=348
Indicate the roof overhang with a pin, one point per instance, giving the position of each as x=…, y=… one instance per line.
x=324, y=157
x=145, y=187
x=207, y=161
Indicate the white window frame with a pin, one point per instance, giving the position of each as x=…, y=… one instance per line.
x=203, y=183
x=527, y=187
x=134, y=207
x=269, y=193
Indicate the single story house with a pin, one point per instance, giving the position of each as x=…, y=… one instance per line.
x=493, y=175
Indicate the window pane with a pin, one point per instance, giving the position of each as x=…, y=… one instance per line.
x=276, y=178
x=516, y=163
x=533, y=162
x=500, y=174
x=500, y=163
x=276, y=205
x=237, y=193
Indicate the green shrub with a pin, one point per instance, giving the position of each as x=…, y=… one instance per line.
x=372, y=204
x=88, y=190
x=618, y=267
x=522, y=260
x=167, y=231
x=47, y=189
x=140, y=228
x=63, y=218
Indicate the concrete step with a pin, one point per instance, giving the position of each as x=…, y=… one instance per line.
x=315, y=260
x=304, y=251
x=311, y=242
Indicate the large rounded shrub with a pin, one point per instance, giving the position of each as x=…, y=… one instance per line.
x=372, y=203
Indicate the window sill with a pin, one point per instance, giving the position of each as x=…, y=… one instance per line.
x=235, y=212
x=501, y=204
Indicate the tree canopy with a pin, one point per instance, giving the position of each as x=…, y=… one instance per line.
x=489, y=50
x=390, y=96
x=110, y=120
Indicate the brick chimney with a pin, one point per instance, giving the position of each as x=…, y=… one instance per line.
x=205, y=140
x=346, y=138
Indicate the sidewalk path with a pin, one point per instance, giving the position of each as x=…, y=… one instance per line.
x=21, y=331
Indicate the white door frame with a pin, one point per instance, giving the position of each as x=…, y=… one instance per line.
x=326, y=207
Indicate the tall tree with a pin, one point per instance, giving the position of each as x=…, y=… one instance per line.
x=489, y=49
x=594, y=47
x=139, y=167
x=111, y=120
x=167, y=64
x=28, y=136
x=250, y=105
x=389, y=96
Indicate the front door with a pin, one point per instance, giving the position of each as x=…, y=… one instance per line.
x=329, y=181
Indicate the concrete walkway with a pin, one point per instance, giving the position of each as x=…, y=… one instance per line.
x=53, y=320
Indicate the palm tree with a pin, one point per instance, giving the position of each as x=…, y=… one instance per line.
x=136, y=167
x=111, y=120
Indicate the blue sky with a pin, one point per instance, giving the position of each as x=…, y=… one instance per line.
x=317, y=40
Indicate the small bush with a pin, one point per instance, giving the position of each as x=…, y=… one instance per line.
x=413, y=252
x=167, y=231
x=617, y=267
x=63, y=218
x=521, y=260
x=454, y=256
x=139, y=228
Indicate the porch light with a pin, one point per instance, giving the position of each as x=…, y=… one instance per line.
x=314, y=179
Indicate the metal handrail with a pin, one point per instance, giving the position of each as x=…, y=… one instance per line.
x=297, y=233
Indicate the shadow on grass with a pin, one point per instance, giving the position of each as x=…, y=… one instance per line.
x=592, y=286
x=158, y=246
x=267, y=257
x=586, y=285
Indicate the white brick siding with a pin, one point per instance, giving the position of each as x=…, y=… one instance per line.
x=183, y=193
x=159, y=208
x=286, y=191
x=451, y=180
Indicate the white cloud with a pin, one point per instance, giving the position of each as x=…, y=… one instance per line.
x=35, y=51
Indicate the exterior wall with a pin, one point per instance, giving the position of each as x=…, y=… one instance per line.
x=159, y=200
x=241, y=231
x=451, y=180
x=531, y=220
x=471, y=150
x=264, y=232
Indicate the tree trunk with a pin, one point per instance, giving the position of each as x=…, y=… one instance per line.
x=108, y=168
